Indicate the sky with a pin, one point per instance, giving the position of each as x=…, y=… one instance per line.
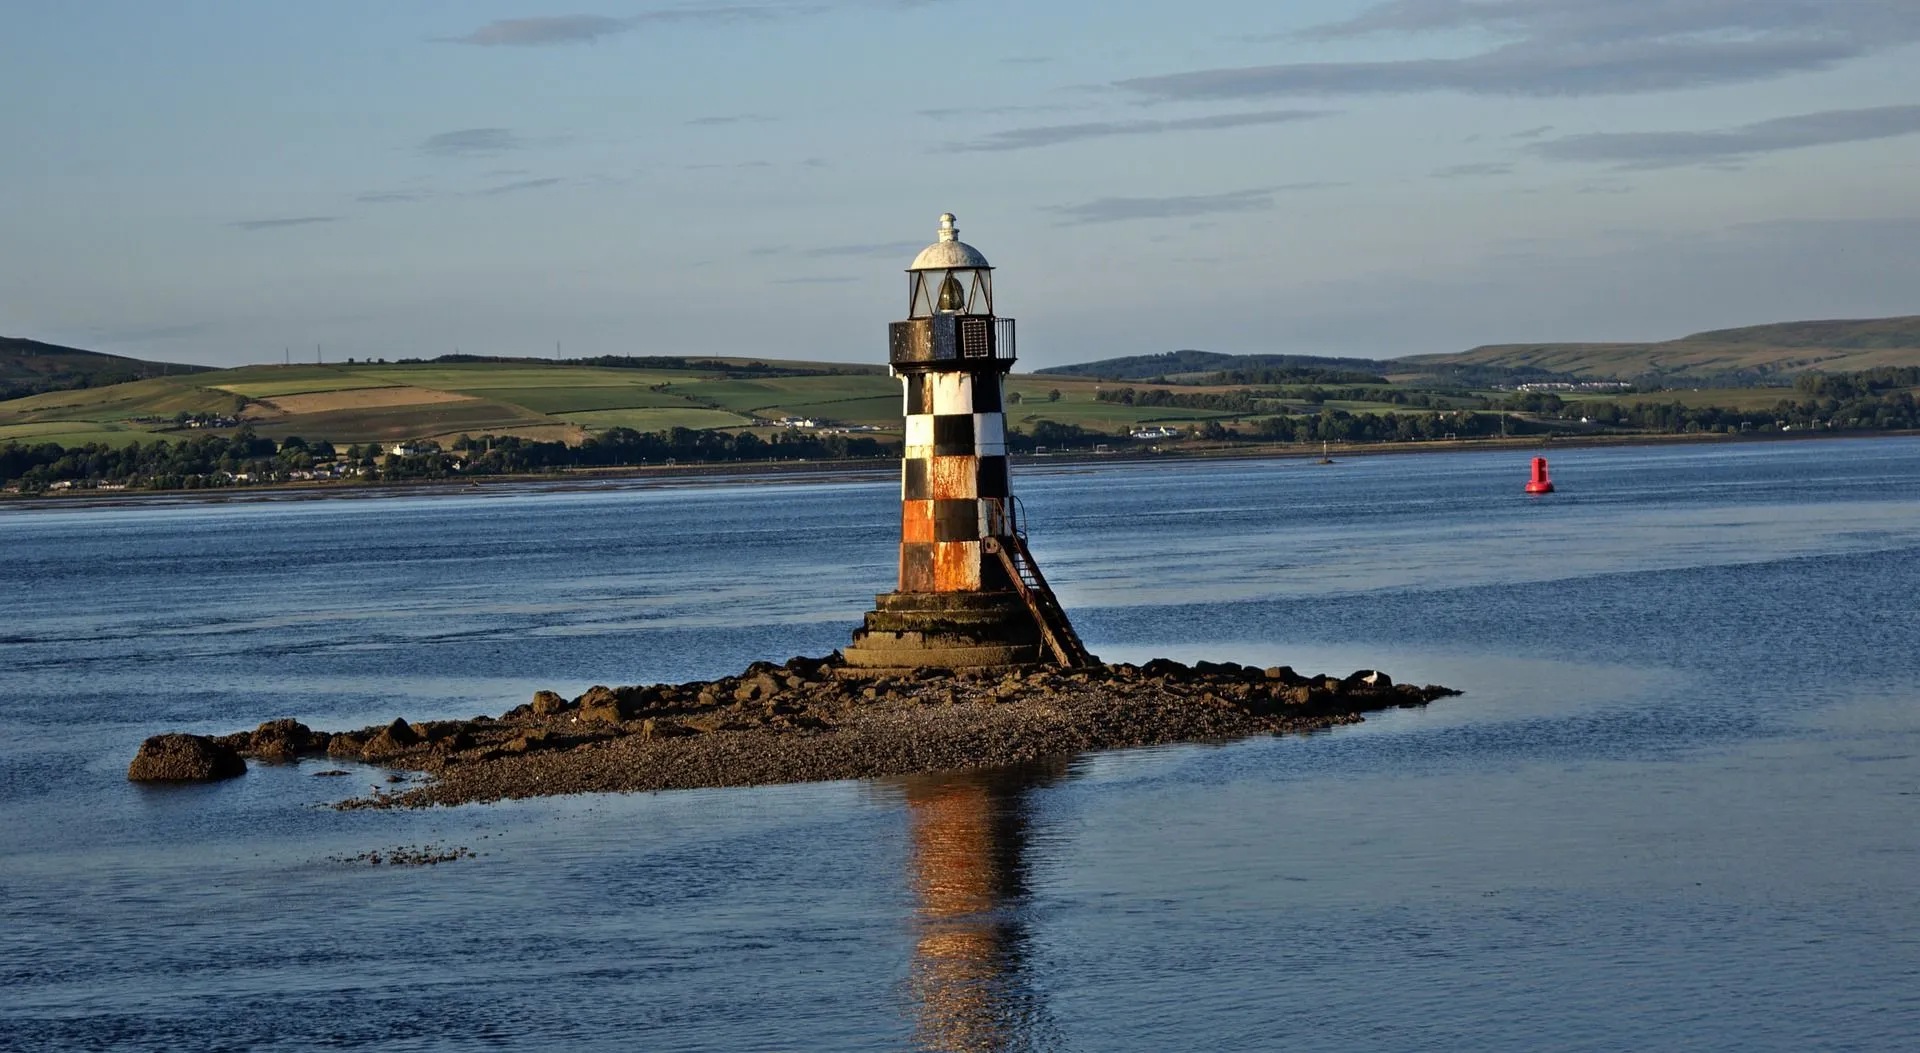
x=234, y=182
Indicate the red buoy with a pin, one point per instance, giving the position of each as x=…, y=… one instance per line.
x=1540, y=484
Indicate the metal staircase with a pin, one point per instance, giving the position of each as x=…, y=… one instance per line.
x=1055, y=630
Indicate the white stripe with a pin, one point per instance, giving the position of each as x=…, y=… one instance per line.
x=989, y=429
x=952, y=393
x=919, y=430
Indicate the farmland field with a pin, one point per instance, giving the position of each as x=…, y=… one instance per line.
x=656, y=419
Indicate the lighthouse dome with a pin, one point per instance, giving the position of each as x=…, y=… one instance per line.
x=949, y=253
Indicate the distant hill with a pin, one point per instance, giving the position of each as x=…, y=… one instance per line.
x=1190, y=366
x=1213, y=367
x=1758, y=354
x=29, y=367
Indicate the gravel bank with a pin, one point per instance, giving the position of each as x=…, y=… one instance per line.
x=810, y=720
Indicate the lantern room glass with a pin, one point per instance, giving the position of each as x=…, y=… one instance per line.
x=960, y=290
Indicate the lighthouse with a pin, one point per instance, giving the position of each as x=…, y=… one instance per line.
x=969, y=593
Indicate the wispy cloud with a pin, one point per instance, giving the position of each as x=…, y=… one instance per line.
x=1532, y=133
x=558, y=30
x=524, y=184
x=884, y=248
x=284, y=221
x=481, y=142
x=388, y=197
x=1574, y=47
x=732, y=118
x=1478, y=168
x=544, y=32
x=814, y=281
x=1115, y=209
x=944, y=112
x=1672, y=149
x=1054, y=135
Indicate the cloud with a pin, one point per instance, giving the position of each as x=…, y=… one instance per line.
x=1574, y=47
x=557, y=30
x=287, y=221
x=814, y=281
x=732, y=118
x=1478, y=168
x=545, y=32
x=478, y=142
x=944, y=112
x=1115, y=209
x=884, y=248
x=1673, y=149
x=387, y=197
x=1054, y=135
x=524, y=184
x=1532, y=133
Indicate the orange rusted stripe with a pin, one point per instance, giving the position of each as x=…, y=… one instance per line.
x=916, y=521
x=956, y=566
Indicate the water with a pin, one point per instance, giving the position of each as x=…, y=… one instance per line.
x=1676, y=807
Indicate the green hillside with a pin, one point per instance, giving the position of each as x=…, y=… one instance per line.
x=1753, y=354
x=28, y=367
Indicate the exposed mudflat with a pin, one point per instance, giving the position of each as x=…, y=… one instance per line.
x=810, y=720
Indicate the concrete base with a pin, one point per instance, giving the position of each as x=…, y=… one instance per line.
x=947, y=630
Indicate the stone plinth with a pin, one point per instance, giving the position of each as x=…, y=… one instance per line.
x=947, y=630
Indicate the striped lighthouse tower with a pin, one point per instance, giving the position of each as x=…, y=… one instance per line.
x=969, y=593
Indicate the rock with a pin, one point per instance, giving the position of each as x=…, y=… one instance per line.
x=597, y=695
x=185, y=758
x=527, y=743
x=347, y=743
x=1369, y=678
x=280, y=740
x=1166, y=667
x=394, y=739
x=547, y=703
x=1284, y=674
x=756, y=688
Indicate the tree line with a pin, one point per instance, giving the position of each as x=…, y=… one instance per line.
x=206, y=461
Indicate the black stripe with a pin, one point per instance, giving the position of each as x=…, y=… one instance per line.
x=986, y=393
x=952, y=434
x=914, y=482
x=919, y=393
x=993, y=478
x=956, y=520
x=916, y=566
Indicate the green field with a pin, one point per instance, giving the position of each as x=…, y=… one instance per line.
x=656, y=419
x=67, y=433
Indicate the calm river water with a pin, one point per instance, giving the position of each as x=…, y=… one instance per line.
x=1678, y=806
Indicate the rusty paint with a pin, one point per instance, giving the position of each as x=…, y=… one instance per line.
x=954, y=478
x=956, y=566
x=916, y=521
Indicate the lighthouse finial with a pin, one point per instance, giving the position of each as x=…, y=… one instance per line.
x=948, y=232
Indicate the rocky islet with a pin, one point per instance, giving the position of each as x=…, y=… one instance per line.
x=805, y=720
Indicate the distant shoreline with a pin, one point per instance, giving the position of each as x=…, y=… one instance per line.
x=874, y=469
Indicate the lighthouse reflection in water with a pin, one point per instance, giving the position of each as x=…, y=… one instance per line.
x=969, y=832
